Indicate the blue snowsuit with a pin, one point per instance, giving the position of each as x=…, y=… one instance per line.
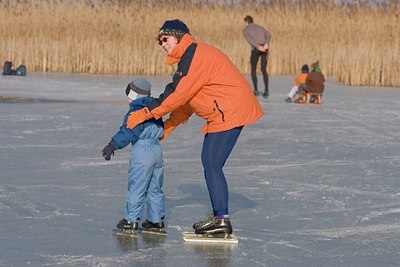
x=146, y=167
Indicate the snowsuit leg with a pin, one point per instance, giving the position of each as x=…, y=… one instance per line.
x=145, y=179
x=155, y=195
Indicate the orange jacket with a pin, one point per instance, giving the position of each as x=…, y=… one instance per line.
x=208, y=84
x=301, y=78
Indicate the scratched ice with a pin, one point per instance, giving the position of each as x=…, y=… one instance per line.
x=310, y=185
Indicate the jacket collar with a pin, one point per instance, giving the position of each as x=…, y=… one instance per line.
x=179, y=49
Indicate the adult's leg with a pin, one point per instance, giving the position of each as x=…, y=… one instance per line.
x=253, y=63
x=216, y=150
x=264, y=63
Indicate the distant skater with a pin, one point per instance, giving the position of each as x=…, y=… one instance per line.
x=258, y=37
x=146, y=167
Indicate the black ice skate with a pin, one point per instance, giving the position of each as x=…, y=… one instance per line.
x=127, y=225
x=151, y=227
x=215, y=226
x=204, y=223
x=126, y=228
x=212, y=230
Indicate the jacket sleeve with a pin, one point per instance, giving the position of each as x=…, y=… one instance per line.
x=180, y=115
x=125, y=136
x=189, y=78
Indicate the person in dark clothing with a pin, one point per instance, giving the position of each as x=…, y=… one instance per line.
x=258, y=37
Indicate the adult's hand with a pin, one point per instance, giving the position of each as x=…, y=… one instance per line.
x=261, y=48
x=137, y=117
x=168, y=128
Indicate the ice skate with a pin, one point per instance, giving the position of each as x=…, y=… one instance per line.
x=157, y=228
x=207, y=221
x=126, y=228
x=212, y=230
x=215, y=226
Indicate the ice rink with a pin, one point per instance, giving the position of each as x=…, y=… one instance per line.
x=310, y=185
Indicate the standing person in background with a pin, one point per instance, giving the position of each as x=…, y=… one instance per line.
x=208, y=84
x=258, y=37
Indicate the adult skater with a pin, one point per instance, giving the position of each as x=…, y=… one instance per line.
x=258, y=38
x=206, y=83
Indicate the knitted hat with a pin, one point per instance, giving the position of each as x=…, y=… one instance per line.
x=305, y=69
x=139, y=87
x=174, y=27
x=315, y=65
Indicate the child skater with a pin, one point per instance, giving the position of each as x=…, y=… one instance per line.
x=300, y=84
x=146, y=167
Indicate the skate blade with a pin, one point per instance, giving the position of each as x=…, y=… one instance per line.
x=220, y=238
x=154, y=231
x=130, y=233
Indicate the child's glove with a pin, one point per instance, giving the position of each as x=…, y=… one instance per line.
x=137, y=117
x=108, y=150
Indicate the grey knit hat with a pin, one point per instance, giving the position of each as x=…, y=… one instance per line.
x=139, y=86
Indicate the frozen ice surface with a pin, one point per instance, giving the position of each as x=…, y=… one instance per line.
x=310, y=185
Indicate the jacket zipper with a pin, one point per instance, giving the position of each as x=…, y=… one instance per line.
x=220, y=111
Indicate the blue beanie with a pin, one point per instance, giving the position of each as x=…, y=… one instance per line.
x=305, y=69
x=174, y=27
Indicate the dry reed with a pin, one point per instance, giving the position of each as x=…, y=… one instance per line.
x=357, y=44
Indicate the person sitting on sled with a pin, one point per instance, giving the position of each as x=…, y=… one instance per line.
x=146, y=167
x=300, y=84
x=315, y=85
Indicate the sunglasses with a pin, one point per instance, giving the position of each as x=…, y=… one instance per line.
x=163, y=40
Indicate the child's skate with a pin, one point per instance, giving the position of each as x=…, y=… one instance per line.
x=156, y=228
x=126, y=228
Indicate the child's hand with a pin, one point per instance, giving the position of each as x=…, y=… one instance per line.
x=108, y=150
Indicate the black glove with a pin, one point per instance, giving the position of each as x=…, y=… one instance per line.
x=108, y=150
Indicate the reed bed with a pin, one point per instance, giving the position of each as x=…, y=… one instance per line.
x=357, y=44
